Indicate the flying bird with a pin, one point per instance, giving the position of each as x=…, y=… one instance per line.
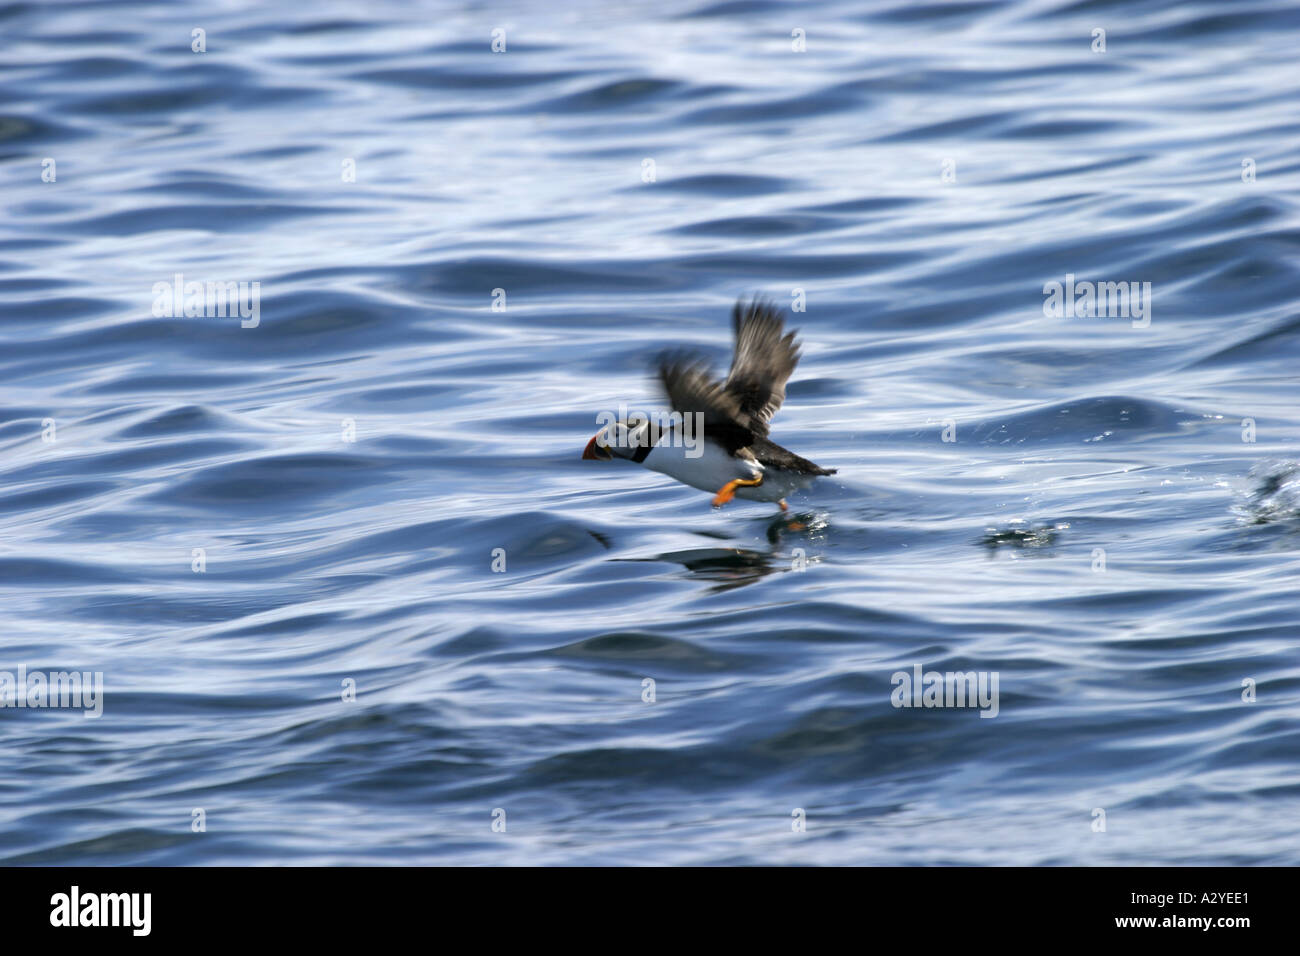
x=716, y=440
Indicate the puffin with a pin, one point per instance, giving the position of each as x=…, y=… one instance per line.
x=717, y=437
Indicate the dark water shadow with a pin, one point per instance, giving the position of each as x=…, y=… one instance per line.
x=735, y=567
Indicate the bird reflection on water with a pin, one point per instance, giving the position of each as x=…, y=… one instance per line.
x=731, y=568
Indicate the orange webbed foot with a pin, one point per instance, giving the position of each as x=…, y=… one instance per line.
x=728, y=491
x=784, y=506
x=725, y=493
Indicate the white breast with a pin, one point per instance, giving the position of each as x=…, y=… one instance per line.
x=714, y=468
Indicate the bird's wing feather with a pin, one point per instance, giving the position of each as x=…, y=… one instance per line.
x=692, y=387
x=765, y=358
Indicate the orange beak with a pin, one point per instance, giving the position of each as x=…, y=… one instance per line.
x=594, y=452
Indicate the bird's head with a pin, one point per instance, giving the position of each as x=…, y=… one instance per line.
x=619, y=439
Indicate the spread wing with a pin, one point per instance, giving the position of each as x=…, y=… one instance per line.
x=766, y=356
x=692, y=388
x=736, y=412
